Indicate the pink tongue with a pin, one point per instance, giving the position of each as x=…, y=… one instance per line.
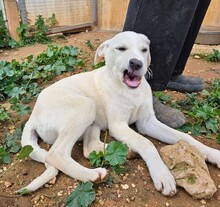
x=132, y=83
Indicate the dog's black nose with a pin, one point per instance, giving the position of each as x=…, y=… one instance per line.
x=135, y=64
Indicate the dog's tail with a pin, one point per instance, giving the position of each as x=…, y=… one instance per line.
x=30, y=137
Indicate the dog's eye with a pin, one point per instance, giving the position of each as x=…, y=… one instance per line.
x=121, y=48
x=144, y=50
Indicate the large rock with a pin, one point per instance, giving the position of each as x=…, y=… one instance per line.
x=189, y=169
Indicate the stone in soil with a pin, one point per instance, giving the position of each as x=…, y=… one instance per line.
x=189, y=169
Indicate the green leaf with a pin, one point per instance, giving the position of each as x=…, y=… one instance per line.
x=25, y=152
x=99, y=65
x=50, y=52
x=23, y=191
x=116, y=153
x=165, y=98
x=96, y=158
x=119, y=169
x=70, y=50
x=82, y=196
x=90, y=45
x=4, y=115
x=4, y=156
x=212, y=124
x=17, y=92
x=12, y=43
x=109, y=181
x=71, y=61
x=218, y=138
x=15, y=148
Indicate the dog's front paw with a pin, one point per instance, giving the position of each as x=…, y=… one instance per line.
x=163, y=180
x=101, y=175
x=213, y=156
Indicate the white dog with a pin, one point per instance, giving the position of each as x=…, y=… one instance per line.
x=112, y=97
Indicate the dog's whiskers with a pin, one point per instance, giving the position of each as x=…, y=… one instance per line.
x=149, y=74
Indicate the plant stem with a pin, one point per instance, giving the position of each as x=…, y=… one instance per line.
x=105, y=138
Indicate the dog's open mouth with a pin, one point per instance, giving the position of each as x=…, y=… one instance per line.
x=131, y=79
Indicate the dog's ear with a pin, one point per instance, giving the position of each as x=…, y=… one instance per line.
x=100, y=52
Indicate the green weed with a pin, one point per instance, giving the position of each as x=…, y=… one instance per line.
x=212, y=57
x=34, y=34
x=27, y=35
x=20, y=81
x=5, y=39
x=163, y=97
x=82, y=196
x=203, y=110
x=115, y=156
x=10, y=144
x=90, y=45
x=51, y=21
x=23, y=153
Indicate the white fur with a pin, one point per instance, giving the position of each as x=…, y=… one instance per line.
x=82, y=105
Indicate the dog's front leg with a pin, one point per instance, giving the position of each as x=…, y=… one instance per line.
x=91, y=140
x=160, y=131
x=160, y=174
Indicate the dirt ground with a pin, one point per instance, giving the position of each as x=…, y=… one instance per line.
x=140, y=192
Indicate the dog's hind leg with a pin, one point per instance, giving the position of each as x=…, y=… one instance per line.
x=60, y=156
x=73, y=128
x=46, y=176
x=30, y=137
x=91, y=140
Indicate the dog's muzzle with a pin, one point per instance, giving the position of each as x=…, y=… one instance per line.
x=131, y=77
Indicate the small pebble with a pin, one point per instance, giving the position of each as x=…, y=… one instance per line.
x=128, y=200
x=7, y=184
x=36, y=199
x=101, y=202
x=140, y=168
x=196, y=56
x=46, y=185
x=124, y=178
x=116, y=186
x=132, y=198
x=167, y=204
x=52, y=181
x=99, y=193
x=203, y=201
x=124, y=186
x=133, y=185
x=60, y=193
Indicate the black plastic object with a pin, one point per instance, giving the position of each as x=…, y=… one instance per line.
x=172, y=27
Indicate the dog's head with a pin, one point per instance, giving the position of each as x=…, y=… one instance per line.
x=127, y=55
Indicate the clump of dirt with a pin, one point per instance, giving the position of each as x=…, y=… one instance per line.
x=189, y=169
